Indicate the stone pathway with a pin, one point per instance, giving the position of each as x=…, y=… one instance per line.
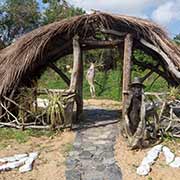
x=92, y=157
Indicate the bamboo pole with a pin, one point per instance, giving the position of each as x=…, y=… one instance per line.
x=128, y=43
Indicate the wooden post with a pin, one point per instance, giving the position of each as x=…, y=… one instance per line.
x=80, y=89
x=128, y=43
x=76, y=84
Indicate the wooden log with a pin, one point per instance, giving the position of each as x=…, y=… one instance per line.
x=45, y=91
x=128, y=43
x=58, y=71
x=101, y=43
x=76, y=64
x=113, y=32
x=80, y=88
x=77, y=75
x=146, y=76
x=172, y=68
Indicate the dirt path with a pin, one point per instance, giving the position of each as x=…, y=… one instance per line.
x=92, y=157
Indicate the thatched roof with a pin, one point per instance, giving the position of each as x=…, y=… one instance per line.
x=30, y=54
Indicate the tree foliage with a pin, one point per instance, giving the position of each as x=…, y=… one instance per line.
x=59, y=9
x=18, y=17
x=177, y=39
x=142, y=57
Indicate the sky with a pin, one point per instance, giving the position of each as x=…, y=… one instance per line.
x=164, y=12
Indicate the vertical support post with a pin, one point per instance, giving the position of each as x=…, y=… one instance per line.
x=128, y=44
x=76, y=84
x=80, y=88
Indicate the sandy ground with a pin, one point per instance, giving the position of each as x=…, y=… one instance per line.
x=51, y=161
x=104, y=103
x=129, y=160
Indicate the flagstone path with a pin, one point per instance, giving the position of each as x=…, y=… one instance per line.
x=92, y=157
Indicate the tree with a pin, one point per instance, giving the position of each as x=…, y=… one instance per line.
x=177, y=39
x=59, y=9
x=18, y=17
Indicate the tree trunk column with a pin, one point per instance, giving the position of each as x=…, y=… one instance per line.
x=128, y=43
x=80, y=88
x=76, y=84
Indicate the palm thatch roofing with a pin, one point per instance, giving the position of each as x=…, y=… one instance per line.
x=23, y=60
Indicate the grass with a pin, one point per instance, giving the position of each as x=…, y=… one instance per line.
x=20, y=136
x=67, y=148
x=108, y=86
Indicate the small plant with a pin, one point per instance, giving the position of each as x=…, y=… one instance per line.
x=150, y=178
x=67, y=148
x=55, y=110
x=174, y=93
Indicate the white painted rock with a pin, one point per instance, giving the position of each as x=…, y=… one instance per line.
x=43, y=103
x=152, y=155
x=28, y=163
x=143, y=170
x=15, y=161
x=169, y=156
x=175, y=163
x=16, y=157
x=147, y=160
x=12, y=165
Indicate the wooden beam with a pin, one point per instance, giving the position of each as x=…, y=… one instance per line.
x=113, y=32
x=147, y=75
x=128, y=44
x=58, y=71
x=100, y=43
x=172, y=68
x=151, y=67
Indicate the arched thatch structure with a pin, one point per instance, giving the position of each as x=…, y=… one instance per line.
x=23, y=60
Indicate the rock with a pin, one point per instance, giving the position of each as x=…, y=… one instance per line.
x=28, y=163
x=71, y=163
x=74, y=153
x=18, y=160
x=113, y=173
x=100, y=142
x=109, y=161
x=85, y=155
x=169, y=156
x=152, y=155
x=12, y=165
x=92, y=175
x=100, y=167
x=143, y=169
x=157, y=148
x=90, y=148
x=175, y=163
x=73, y=175
x=16, y=157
